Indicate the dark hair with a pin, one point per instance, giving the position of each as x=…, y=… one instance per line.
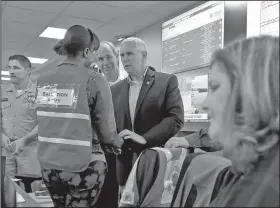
x=95, y=42
x=22, y=59
x=76, y=39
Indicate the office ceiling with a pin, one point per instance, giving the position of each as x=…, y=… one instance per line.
x=24, y=21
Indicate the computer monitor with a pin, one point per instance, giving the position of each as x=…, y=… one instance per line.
x=193, y=87
x=189, y=39
x=262, y=18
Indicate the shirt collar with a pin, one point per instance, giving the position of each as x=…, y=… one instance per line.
x=130, y=81
x=28, y=88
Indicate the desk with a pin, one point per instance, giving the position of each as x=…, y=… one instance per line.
x=11, y=188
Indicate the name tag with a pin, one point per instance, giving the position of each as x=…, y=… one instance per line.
x=29, y=98
x=55, y=97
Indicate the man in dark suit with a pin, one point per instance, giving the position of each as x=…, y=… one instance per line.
x=148, y=106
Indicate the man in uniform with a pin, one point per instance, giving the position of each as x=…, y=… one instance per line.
x=19, y=118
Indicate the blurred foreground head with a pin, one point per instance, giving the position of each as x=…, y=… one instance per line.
x=243, y=99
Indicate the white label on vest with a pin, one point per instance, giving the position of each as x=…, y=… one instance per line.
x=55, y=97
x=127, y=197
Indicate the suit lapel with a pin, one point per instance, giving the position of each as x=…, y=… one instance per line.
x=147, y=83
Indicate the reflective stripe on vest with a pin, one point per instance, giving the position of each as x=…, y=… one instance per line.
x=64, y=141
x=169, y=171
x=63, y=115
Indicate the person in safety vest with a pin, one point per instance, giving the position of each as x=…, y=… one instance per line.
x=75, y=123
x=153, y=178
x=166, y=177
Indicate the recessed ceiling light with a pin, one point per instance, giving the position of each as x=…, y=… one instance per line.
x=5, y=73
x=5, y=78
x=52, y=32
x=37, y=60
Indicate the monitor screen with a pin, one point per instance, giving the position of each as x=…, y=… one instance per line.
x=189, y=39
x=262, y=18
x=193, y=87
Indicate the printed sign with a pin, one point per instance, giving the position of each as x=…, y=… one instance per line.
x=55, y=97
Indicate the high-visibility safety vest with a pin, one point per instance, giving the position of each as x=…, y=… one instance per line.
x=202, y=172
x=64, y=124
x=161, y=193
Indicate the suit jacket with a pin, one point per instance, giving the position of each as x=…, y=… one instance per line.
x=159, y=115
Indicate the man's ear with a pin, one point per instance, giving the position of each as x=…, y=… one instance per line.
x=144, y=54
x=29, y=71
x=85, y=52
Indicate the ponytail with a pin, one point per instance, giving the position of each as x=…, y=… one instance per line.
x=60, y=48
x=95, y=42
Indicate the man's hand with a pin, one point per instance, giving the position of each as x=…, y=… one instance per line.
x=126, y=134
x=6, y=142
x=17, y=146
x=113, y=150
x=177, y=142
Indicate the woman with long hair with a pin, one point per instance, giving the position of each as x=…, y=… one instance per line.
x=243, y=106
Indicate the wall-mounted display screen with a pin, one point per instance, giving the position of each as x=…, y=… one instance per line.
x=262, y=18
x=189, y=39
x=193, y=87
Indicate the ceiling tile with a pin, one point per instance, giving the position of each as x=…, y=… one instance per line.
x=18, y=47
x=112, y=30
x=143, y=5
x=67, y=21
x=12, y=14
x=16, y=38
x=170, y=7
x=16, y=27
x=45, y=6
x=106, y=36
x=23, y=21
x=93, y=11
x=12, y=44
x=120, y=4
x=136, y=19
x=42, y=47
